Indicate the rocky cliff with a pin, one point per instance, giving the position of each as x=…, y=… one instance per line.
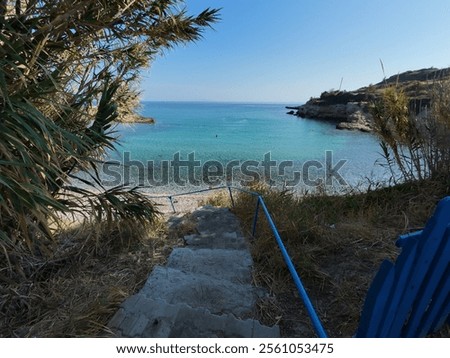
x=350, y=109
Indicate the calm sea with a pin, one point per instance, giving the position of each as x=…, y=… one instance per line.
x=225, y=141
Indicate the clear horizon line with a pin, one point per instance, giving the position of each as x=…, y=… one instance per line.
x=225, y=101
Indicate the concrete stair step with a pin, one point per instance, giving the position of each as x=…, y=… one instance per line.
x=226, y=240
x=197, y=290
x=232, y=265
x=140, y=316
x=211, y=219
x=205, y=290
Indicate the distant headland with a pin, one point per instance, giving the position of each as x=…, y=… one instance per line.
x=136, y=118
x=350, y=109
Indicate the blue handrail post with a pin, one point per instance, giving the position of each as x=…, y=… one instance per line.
x=255, y=218
x=231, y=196
x=171, y=203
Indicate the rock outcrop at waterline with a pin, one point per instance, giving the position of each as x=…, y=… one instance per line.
x=350, y=109
x=136, y=118
x=348, y=115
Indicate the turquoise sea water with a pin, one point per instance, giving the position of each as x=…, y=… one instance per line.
x=225, y=132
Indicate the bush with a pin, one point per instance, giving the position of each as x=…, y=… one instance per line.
x=415, y=141
x=68, y=71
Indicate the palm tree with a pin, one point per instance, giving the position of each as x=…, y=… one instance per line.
x=67, y=68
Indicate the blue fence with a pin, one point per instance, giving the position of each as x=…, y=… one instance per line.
x=260, y=203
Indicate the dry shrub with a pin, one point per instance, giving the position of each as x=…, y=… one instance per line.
x=414, y=138
x=220, y=199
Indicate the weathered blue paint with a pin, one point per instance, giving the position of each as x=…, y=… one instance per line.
x=411, y=298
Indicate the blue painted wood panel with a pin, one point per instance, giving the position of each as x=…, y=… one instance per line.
x=411, y=297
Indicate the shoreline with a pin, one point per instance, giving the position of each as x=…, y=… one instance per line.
x=183, y=204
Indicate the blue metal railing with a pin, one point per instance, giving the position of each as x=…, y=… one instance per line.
x=298, y=283
x=261, y=203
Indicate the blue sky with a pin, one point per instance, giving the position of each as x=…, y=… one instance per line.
x=289, y=50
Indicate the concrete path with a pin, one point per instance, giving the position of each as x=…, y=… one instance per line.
x=205, y=289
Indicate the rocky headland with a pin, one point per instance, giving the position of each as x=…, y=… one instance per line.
x=136, y=118
x=351, y=109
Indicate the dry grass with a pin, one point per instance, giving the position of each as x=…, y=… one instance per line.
x=219, y=198
x=77, y=292
x=337, y=244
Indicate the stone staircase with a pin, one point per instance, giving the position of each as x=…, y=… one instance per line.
x=205, y=290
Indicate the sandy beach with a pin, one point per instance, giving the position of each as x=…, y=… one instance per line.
x=182, y=203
